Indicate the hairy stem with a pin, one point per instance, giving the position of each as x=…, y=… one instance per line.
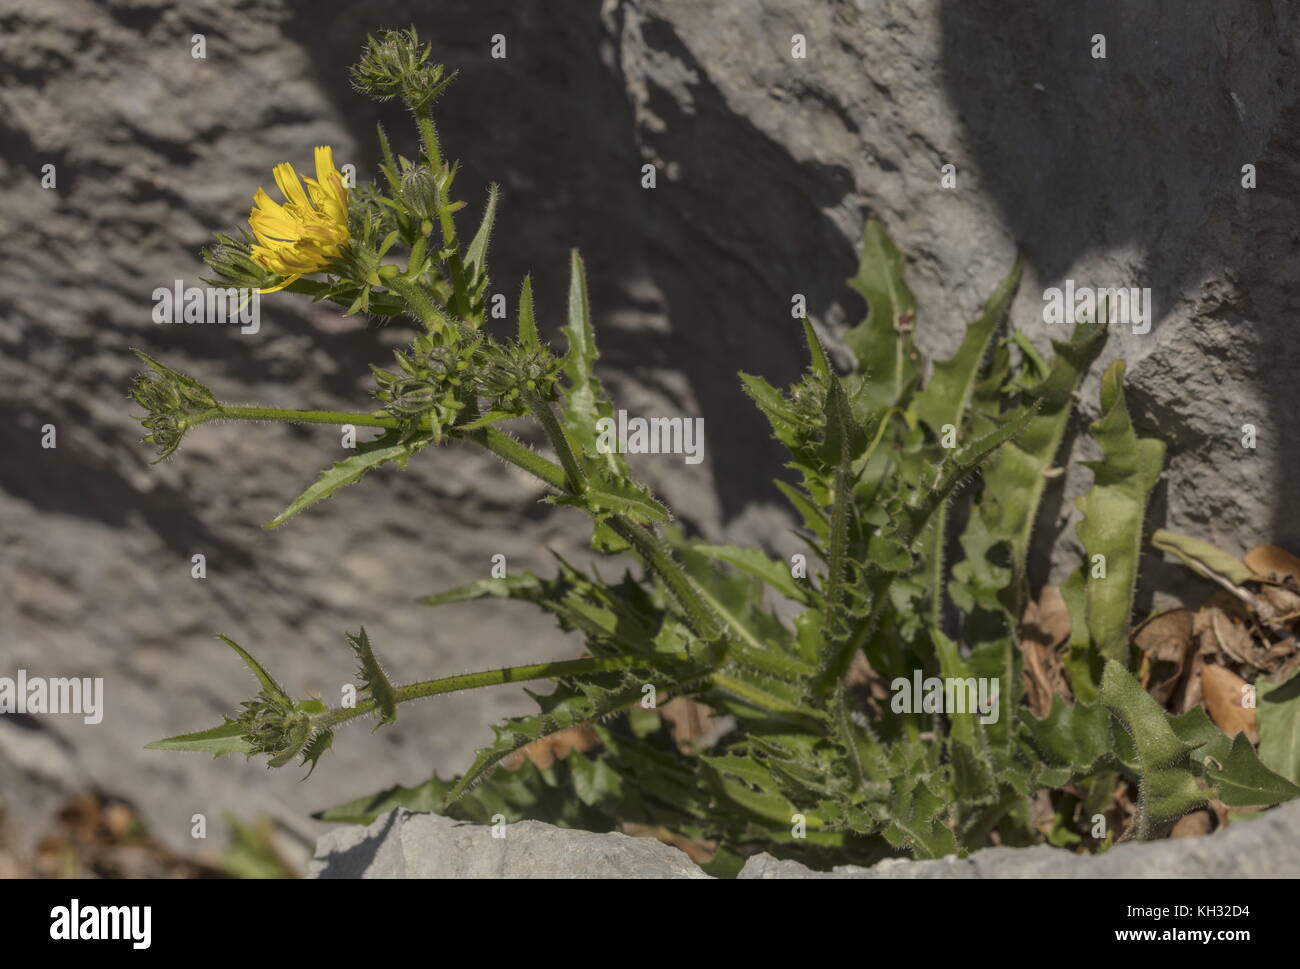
x=656, y=554
x=520, y=455
x=499, y=677
x=572, y=478
x=433, y=153
x=234, y=413
x=541, y=409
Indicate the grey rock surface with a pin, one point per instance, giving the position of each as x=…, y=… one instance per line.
x=403, y=844
x=1100, y=171
x=1264, y=847
x=1115, y=172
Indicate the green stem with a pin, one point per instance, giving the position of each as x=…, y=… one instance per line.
x=541, y=409
x=231, y=412
x=980, y=829
x=419, y=301
x=510, y=674
x=833, y=664
x=843, y=725
x=520, y=455
x=644, y=541
x=656, y=554
x=433, y=152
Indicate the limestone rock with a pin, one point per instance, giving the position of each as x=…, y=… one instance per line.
x=403, y=844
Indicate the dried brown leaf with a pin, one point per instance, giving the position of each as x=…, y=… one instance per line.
x=1194, y=825
x=545, y=751
x=700, y=852
x=1167, y=643
x=1224, y=693
x=1273, y=562
x=1044, y=625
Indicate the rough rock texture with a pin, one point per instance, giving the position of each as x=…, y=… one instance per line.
x=1118, y=172
x=1115, y=172
x=403, y=844
x=1264, y=847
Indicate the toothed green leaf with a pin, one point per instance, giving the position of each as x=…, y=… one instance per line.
x=1278, y=713
x=1113, y=509
x=608, y=495
x=1074, y=737
x=527, y=322
x=944, y=403
x=585, y=401
x=820, y=365
x=1168, y=785
x=774, y=573
x=320, y=742
x=370, y=455
x=948, y=393
x=1016, y=477
x=1244, y=779
x=883, y=341
x=583, y=702
x=476, y=254
x=374, y=680
x=225, y=739
x=273, y=689
x=917, y=820
x=524, y=585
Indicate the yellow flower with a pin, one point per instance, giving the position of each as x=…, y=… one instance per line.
x=306, y=233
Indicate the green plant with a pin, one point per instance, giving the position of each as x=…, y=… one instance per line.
x=818, y=761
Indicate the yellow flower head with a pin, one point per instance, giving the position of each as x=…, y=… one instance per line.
x=309, y=231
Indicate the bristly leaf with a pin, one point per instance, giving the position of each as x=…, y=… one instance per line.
x=610, y=495
x=957, y=467
x=947, y=395
x=883, y=342
x=1113, y=509
x=1168, y=789
x=389, y=164
x=373, y=678
x=1017, y=476
x=567, y=707
x=844, y=440
x=1278, y=712
x=1245, y=782
x=225, y=739
x=320, y=742
x=820, y=365
x=775, y=574
x=269, y=685
x=476, y=254
x=1083, y=661
x=527, y=322
x=370, y=455
x=917, y=822
x=1242, y=778
x=944, y=402
x=525, y=586
x=1074, y=737
x=585, y=401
